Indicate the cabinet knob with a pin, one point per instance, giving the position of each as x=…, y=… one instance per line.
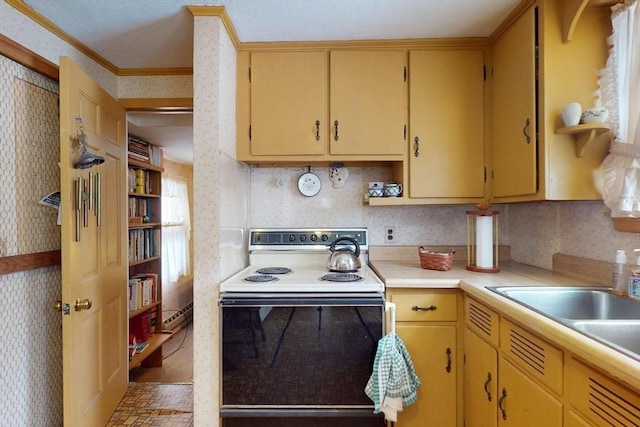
x=416, y=146
x=335, y=135
x=317, y=130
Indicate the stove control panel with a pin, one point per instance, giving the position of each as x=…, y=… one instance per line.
x=277, y=238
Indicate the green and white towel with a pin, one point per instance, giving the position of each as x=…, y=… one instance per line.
x=393, y=383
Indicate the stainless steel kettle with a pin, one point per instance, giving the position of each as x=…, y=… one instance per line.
x=343, y=259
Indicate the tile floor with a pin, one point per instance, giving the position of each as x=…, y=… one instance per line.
x=161, y=397
x=155, y=404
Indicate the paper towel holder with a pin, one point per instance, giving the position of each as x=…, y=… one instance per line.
x=482, y=241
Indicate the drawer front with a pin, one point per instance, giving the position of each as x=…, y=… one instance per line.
x=482, y=320
x=426, y=307
x=539, y=359
x=601, y=400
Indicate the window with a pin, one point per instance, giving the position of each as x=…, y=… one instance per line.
x=176, y=230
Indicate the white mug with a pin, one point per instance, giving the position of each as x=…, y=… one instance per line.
x=392, y=190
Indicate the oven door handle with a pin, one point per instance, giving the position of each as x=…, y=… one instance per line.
x=299, y=300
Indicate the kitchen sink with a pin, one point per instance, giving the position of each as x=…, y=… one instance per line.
x=575, y=303
x=597, y=313
x=624, y=334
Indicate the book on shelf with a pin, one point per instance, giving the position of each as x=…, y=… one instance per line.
x=144, y=243
x=143, y=290
x=144, y=151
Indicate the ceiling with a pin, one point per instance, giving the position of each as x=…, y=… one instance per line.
x=133, y=34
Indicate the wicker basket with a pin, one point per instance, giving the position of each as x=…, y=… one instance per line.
x=436, y=260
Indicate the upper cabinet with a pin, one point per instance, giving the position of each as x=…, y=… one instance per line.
x=288, y=104
x=446, y=116
x=534, y=74
x=285, y=97
x=514, y=142
x=367, y=102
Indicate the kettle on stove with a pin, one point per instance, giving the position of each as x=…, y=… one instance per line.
x=343, y=259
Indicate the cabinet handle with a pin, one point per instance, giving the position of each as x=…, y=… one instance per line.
x=448, y=368
x=504, y=395
x=486, y=386
x=416, y=146
x=430, y=308
x=335, y=136
x=525, y=130
x=317, y=130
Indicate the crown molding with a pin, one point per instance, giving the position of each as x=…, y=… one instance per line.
x=27, y=10
x=221, y=13
x=167, y=105
x=366, y=44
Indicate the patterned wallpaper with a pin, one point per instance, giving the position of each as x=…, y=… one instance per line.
x=276, y=202
x=31, y=342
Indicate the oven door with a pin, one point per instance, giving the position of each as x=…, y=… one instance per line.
x=299, y=355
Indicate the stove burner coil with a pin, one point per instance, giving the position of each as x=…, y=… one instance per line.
x=341, y=277
x=260, y=278
x=273, y=270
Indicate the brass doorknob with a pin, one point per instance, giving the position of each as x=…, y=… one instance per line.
x=84, y=304
x=57, y=306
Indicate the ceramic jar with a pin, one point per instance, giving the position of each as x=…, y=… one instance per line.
x=571, y=114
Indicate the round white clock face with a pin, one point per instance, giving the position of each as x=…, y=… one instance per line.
x=309, y=184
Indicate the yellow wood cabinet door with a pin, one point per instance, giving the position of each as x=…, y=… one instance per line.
x=446, y=117
x=514, y=141
x=367, y=102
x=480, y=382
x=522, y=402
x=433, y=352
x=288, y=103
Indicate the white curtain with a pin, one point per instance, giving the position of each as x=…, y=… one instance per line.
x=620, y=94
x=176, y=230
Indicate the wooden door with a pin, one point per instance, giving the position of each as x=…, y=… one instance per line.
x=288, y=103
x=514, y=120
x=94, y=263
x=432, y=350
x=368, y=102
x=522, y=402
x=480, y=381
x=446, y=116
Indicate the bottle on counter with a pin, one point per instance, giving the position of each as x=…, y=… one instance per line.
x=621, y=280
x=633, y=288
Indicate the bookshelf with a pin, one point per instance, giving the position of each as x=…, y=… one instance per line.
x=145, y=252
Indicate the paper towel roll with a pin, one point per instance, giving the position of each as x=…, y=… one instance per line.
x=484, y=241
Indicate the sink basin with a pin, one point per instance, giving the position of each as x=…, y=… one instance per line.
x=610, y=319
x=624, y=334
x=576, y=303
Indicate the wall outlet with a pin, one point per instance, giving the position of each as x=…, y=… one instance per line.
x=389, y=234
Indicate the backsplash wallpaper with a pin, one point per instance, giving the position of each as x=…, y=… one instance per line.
x=276, y=202
x=535, y=231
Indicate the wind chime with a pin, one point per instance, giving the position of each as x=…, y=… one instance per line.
x=87, y=195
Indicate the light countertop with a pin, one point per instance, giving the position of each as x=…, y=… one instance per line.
x=409, y=274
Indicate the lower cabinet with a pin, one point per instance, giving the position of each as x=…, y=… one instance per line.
x=522, y=402
x=517, y=383
x=426, y=321
x=598, y=399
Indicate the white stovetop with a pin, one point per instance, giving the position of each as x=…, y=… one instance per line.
x=305, y=277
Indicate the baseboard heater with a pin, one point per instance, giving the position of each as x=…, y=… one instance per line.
x=179, y=317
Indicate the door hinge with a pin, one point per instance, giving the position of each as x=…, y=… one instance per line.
x=249, y=74
x=405, y=73
x=249, y=132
